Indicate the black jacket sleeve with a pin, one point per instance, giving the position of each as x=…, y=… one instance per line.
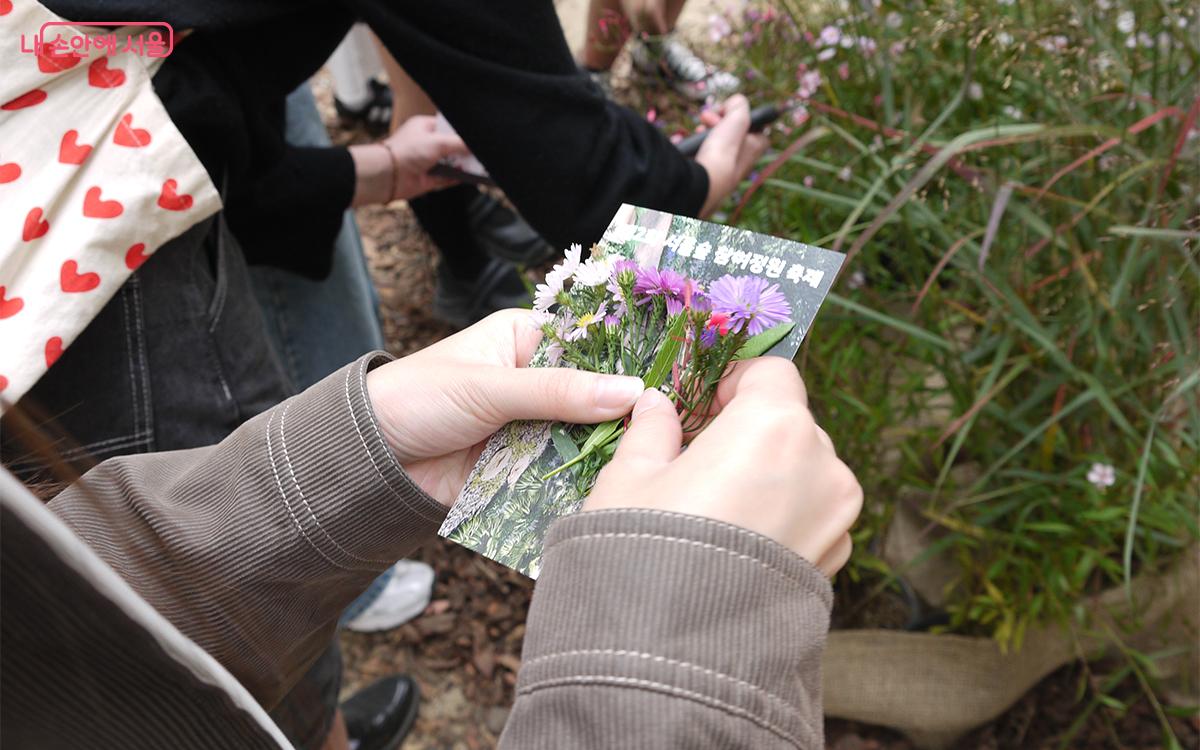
x=502, y=74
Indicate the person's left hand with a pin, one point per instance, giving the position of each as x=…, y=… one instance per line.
x=438, y=406
x=397, y=168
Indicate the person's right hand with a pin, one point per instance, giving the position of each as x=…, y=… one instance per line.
x=730, y=150
x=762, y=464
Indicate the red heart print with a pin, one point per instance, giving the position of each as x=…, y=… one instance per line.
x=9, y=307
x=5, y=9
x=28, y=99
x=95, y=208
x=70, y=150
x=135, y=256
x=101, y=77
x=73, y=281
x=9, y=172
x=52, y=60
x=128, y=135
x=53, y=350
x=172, y=202
x=4, y=380
x=35, y=225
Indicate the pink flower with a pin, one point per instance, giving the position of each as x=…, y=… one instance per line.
x=809, y=83
x=718, y=27
x=830, y=35
x=843, y=71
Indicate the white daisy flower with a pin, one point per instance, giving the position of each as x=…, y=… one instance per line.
x=546, y=294
x=594, y=271
x=579, y=329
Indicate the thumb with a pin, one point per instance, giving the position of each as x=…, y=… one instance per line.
x=654, y=432
x=446, y=144
x=734, y=124
x=553, y=393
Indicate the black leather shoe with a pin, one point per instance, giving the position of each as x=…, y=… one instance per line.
x=502, y=234
x=379, y=716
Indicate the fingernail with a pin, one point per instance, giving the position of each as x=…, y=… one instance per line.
x=618, y=391
x=647, y=401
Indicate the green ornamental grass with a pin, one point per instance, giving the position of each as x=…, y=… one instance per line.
x=1014, y=337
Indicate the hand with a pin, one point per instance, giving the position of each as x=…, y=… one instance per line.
x=438, y=406
x=730, y=150
x=762, y=464
x=397, y=168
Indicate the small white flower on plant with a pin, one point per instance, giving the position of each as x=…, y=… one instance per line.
x=1004, y=38
x=893, y=20
x=571, y=261
x=845, y=174
x=856, y=280
x=1013, y=113
x=830, y=35
x=975, y=91
x=1102, y=475
x=579, y=329
x=546, y=294
x=827, y=54
x=1126, y=21
x=594, y=272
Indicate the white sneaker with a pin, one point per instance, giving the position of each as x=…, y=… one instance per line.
x=406, y=595
x=671, y=60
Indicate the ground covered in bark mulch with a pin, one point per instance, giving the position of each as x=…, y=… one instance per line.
x=464, y=651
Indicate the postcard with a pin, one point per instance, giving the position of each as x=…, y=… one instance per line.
x=669, y=298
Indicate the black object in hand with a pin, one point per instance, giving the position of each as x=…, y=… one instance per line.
x=760, y=117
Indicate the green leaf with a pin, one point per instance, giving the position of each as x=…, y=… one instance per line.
x=600, y=435
x=661, y=369
x=563, y=443
x=758, y=345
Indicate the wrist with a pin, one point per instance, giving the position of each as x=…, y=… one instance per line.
x=374, y=174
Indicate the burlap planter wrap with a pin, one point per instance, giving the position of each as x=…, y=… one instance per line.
x=935, y=688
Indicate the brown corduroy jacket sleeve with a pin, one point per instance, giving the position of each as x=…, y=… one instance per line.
x=663, y=630
x=254, y=546
x=646, y=630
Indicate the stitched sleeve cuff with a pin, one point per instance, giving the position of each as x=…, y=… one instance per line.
x=682, y=609
x=340, y=483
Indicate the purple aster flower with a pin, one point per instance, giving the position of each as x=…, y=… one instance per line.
x=652, y=283
x=749, y=301
x=619, y=271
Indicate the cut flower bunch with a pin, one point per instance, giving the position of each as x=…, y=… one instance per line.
x=608, y=314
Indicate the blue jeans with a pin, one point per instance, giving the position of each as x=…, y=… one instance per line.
x=318, y=326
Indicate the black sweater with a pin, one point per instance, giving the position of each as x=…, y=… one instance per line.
x=500, y=72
